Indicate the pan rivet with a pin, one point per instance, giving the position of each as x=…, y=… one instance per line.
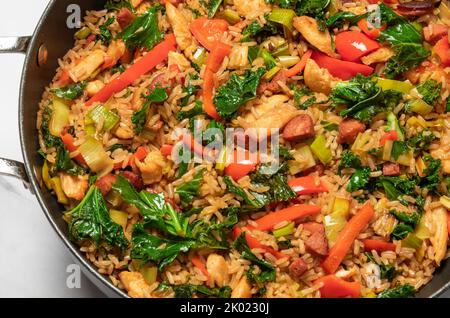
x=42, y=55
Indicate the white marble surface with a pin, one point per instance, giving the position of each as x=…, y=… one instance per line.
x=33, y=261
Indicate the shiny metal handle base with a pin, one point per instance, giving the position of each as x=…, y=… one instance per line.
x=15, y=169
x=14, y=44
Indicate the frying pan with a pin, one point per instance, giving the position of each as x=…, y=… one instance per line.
x=51, y=40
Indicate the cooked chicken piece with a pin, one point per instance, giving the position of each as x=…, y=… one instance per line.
x=318, y=79
x=136, y=3
x=124, y=132
x=436, y=221
x=152, y=167
x=275, y=113
x=180, y=26
x=218, y=269
x=443, y=152
x=87, y=66
x=74, y=187
x=179, y=60
x=309, y=29
x=238, y=57
x=115, y=51
x=94, y=87
x=383, y=54
x=135, y=284
x=249, y=8
x=243, y=289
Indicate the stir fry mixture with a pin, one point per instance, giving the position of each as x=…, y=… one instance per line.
x=357, y=202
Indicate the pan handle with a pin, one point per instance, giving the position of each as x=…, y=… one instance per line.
x=14, y=44
x=15, y=169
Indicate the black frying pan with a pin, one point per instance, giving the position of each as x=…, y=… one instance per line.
x=52, y=38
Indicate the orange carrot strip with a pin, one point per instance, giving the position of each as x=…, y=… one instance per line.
x=289, y=214
x=297, y=68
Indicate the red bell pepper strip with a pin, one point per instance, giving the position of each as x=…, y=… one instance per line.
x=197, y=261
x=213, y=64
x=389, y=135
x=69, y=141
x=352, y=45
x=254, y=243
x=307, y=185
x=291, y=213
x=442, y=49
x=341, y=69
x=241, y=165
x=334, y=287
x=378, y=245
x=371, y=31
x=346, y=238
x=155, y=56
x=300, y=66
x=166, y=150
x=208, y=31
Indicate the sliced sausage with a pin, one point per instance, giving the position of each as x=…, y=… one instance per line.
x=297, y=268
x=273, y=85
x=134, y=179
x=435, y=32
x=299, y=128
x=105, y=183
x=391, y=169
x=349, y=130
x=125, y=17
x=317, y=243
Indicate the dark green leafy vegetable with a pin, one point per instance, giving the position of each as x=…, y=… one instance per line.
x=363, y=98
x=257, y=202
x=408, y=223
x=430, y=91
x=157, y=213
x=412, y=219
x=401, y=291
x=70, y=92
x=147, y=247
x=299, y=97
x=105, y=34
x=399, y=148
x=236, y=92
x=432, y=171
x=143, y=32
x=189, y=90
x=116, y=5
x=139, y=118
x=90, y=220
x=188, y=290
x=329, y=126
x=314, y=8
x=194, y=111
x=359, y=179
x=349, y=160
x=421, y=142
x=274, y=177
x=257, y=31
x=406, y=41
x=338, y=20
x=267, y=271
x=397, y=187
x=188, y=191
x=284, y=153
x=386, y=271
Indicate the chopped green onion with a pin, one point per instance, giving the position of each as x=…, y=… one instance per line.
x=283, y=17
x=284, y=231
x=288, y=61
x=282, y=50
x=402, y=86
x=199, y=57
x=420, y=107
x=269, y=60
x=96, y=157
x=150, y=274
x=102, y=114
x=60, y=117
x=231, y=16
x=320, y=149
x=271, y=73
x=83, y=33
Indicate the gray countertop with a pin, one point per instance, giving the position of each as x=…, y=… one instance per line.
x=33, y=261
